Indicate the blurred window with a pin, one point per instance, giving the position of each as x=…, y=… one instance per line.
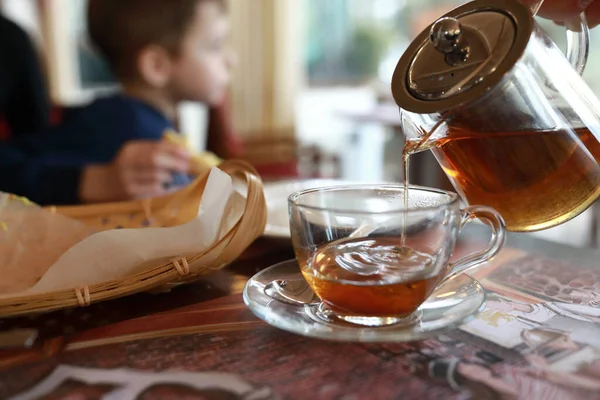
x=354, y=42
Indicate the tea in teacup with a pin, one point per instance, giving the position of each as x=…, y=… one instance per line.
x=375, y=277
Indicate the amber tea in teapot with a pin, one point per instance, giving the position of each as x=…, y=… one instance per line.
x=517, y=173
x=506, y=114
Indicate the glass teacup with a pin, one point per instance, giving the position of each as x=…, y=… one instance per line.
x=373, y=255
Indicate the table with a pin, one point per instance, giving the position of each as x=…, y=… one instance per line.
x=538, y=338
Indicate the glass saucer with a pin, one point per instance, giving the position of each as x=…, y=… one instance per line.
x=451, y=305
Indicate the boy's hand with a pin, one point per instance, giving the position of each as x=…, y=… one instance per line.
x=141, y=169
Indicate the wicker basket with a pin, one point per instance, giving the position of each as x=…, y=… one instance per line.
x=165, y=211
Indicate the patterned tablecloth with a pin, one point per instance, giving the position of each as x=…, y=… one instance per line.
x=538, y=338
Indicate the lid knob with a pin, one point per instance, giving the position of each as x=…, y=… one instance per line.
x=446, y=36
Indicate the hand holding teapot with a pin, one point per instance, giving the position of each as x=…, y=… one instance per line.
x=564, y=10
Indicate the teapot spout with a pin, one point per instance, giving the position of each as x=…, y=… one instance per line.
x=421, y=131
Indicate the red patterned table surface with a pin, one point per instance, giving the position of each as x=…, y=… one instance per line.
x=538, y=338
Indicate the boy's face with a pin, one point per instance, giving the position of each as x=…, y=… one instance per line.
x=201, y=72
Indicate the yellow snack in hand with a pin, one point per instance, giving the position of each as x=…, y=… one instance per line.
x=200, y=163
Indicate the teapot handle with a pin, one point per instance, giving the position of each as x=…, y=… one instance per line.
x=578, y=37
x=578, y=43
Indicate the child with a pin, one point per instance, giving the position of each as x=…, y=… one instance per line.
x=163, y=52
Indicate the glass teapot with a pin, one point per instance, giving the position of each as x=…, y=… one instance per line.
x=506, y=114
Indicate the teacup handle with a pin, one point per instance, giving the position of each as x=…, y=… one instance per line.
x=492, y=218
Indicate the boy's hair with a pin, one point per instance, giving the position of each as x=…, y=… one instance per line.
x=120, y=29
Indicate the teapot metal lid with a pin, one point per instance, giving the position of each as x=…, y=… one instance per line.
x=462, y=55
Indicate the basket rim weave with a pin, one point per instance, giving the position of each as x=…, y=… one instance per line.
x=178, y=270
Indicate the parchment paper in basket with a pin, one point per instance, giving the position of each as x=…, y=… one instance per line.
x=30, y=243
x=113, y=254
